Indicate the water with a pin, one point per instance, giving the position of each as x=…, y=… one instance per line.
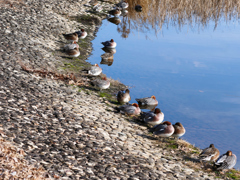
x=192, y=71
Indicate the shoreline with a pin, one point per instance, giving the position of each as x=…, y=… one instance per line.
x=72, y=130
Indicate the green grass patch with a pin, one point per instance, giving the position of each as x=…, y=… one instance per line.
x=171, y=141
x=233, y=174
x=172, y=146
x=195, y=152
x=103, y=94
x=88, y=92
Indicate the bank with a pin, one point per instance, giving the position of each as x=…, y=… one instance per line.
x=54, y=124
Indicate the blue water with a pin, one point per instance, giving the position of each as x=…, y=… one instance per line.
x=194, y=74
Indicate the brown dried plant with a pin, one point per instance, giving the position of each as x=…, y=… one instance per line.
x=159, y=13
x=10, y=3
x=67, y=78
x=14, y=166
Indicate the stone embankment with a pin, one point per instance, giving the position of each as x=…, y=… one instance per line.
x=71, y=132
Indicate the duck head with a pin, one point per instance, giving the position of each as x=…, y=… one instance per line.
x=167, y=123
x=157, y=111
x=135, y=104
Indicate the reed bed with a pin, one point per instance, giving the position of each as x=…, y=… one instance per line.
x=159, y=13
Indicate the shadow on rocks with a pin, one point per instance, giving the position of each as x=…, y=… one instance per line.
x=187, y=158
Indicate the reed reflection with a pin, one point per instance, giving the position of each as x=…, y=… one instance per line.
x=195, y=13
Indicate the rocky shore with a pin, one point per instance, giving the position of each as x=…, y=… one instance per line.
x=71, y=131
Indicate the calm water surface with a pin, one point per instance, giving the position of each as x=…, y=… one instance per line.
x=193, y=72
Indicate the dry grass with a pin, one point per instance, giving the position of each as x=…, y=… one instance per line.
x=70, y=79
x=159, y=13
x=10, y=3
x=14, y=166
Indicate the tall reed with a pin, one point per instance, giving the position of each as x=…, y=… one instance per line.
x=159, y=13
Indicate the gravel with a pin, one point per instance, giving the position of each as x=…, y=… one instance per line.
x=71, y=133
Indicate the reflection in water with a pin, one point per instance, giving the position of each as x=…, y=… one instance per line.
x=107, y=58
x=193, y=75
x=138, y=8
x=109, y=50
x=124, y=27
x=114, y=20
x=157, y=13
x=124, y=12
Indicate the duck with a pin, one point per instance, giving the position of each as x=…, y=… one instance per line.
x=130, y=109
x=138, y=8
x=115, y=12
x=109, y=44
x=98, y=8
x=71, y=46
x=226, y=161
x=81, y=34
x=149, y=107
x=123, y=97
x=209, y=154
x=123, y=4
x=101, y=83
x=165, y=129
x=73, y=52
x=153, y=118
x=95, y=70
x=93, y=3
x=71, y=37
x=147, y=101
x=179, y=130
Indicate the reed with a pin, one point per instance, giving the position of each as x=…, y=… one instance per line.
x=159, y=13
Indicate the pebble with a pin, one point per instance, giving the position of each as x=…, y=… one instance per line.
x=68, y=131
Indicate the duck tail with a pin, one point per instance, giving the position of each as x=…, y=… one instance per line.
x=153, y=129
x=138, y=100
x=118, y=109
x=141, y=117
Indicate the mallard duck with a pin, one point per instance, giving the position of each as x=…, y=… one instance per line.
x=226, y=161
x=81, y=34
x=101, y=83
x=147, y=101
x=70, y=46
x=165, y=129
x=73, y=52
x=71, y=37
x=209, y=154
x=153, y=118
x=95, y=70
x=109, y=44
x=130, y=109
x=123, y=97
x=123, y=4
x=115, y=12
